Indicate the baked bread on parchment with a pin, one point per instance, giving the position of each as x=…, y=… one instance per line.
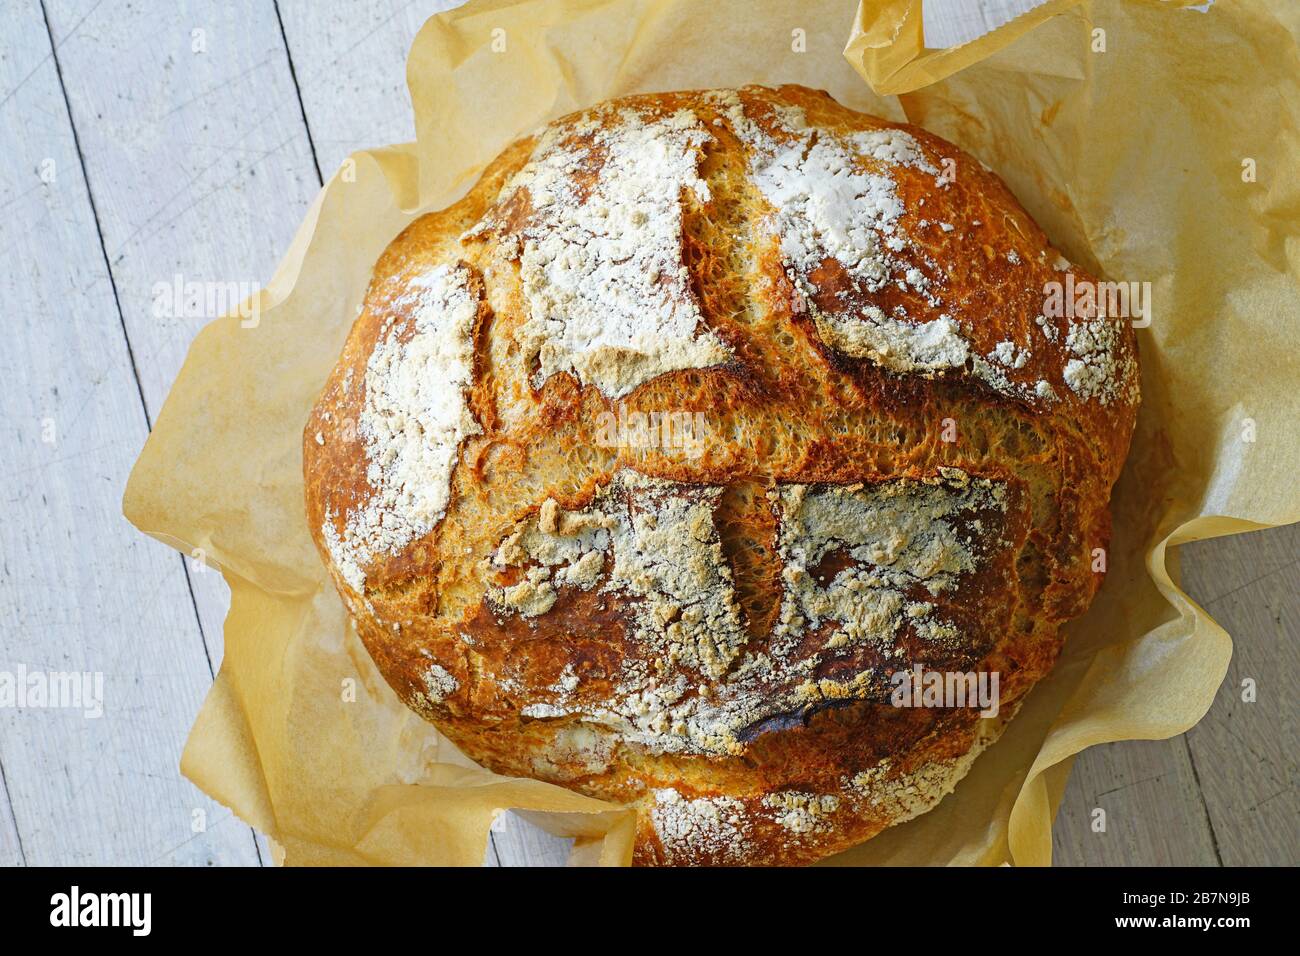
x=650, y=462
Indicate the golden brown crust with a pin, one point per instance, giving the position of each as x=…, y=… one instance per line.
x=539, y=608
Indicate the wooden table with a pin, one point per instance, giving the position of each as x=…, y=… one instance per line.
x=146, y=142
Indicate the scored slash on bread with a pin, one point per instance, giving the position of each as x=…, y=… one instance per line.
x=901, y=461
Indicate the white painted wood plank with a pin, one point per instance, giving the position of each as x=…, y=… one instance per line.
x=1152, y=803
x=1245, y=752
x=80, y=590
x=350, y=63
x=1234, y=775
x=950, y=22
x=200, y=163
x=520, y=842
x=198, y=155
x=195, y=149
x=11, y=847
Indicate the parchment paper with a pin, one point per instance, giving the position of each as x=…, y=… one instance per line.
x=1131, y=159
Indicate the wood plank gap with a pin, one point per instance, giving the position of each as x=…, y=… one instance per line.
x=293, y=75
x=112, y=282
x=126, y=336
x=13, y=816
x=194, y=602
x=94, y=212
x=1200, y=795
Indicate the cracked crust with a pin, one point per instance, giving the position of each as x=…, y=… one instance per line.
x=648, y=621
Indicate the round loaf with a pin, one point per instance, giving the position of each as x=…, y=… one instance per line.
x=652, y=465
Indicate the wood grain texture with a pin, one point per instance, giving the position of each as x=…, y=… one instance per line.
x=1226, y=792
x=196, y=151
x=350, y=64
x=11, y=846
x=196, y=147
x=1244, y=753
x=950, y=22
x=82, y=590
x=519, y=842
x=1153, y=810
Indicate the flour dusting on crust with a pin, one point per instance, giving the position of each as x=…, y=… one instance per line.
x=829, y=204
x=1096, y=369
x=904, y=538
x=693, y=686
x=901, y=796
x=663, y=549
x=415, y=416
x=923, y=347
x=801, y=812
x=704, y=826
x=607, y=290
x=439, y=683
x=826, y=204
x=893, y=146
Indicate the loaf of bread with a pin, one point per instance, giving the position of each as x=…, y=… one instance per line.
x=652, y=465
